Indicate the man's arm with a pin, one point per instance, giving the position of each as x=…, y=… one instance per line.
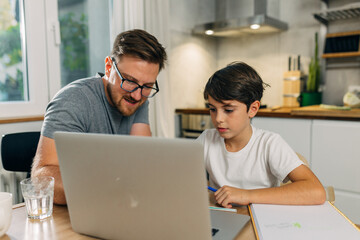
x=305, y=189
x=46, y=164
x=140, y=129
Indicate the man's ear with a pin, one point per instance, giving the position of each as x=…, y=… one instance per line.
x=254, y=108
x=108, y=66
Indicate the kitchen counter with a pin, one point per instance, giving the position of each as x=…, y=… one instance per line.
x=309, y=112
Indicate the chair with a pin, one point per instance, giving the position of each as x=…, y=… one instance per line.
x=18, y=151
x=330, y=193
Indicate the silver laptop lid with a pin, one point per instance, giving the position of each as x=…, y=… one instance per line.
x=126, y=187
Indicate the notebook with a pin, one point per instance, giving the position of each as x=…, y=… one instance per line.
x=302, y=222
x=127, y=187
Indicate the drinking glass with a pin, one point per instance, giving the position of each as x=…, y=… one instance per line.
x=38, y=193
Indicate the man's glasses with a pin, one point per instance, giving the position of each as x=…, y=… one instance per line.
x=131, y=86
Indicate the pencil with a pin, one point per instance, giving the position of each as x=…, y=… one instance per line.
x=212, y=189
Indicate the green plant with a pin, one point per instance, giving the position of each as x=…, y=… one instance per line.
x=11, y=54
x=11, y=45
x=313, y=80
x=74, y=39
x=14, y=87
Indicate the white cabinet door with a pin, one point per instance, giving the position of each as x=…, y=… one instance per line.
x=336, y=161
x=349, y=204
x=296, y=132
x=336, y=153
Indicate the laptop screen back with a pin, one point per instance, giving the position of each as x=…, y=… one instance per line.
x=126, y=187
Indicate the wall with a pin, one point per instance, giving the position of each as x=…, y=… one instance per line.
x=268, y=53
x=192, y=59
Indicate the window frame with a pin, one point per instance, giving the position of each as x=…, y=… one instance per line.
x=42, y=58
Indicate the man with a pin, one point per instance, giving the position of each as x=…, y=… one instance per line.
x=114, y=103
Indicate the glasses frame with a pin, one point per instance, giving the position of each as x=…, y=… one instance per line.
x=156, y=88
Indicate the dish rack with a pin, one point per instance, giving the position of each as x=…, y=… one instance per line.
x=346, y=12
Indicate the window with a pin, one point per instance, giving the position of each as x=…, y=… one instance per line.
x=24, y=87
x=13, y=80
x=85, y=38
x=45, y=44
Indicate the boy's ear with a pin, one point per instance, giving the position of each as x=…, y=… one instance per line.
x=254, y=108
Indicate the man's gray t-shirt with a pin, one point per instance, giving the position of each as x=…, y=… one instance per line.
x=82, y=106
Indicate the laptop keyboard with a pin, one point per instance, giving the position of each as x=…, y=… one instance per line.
x=214, y=231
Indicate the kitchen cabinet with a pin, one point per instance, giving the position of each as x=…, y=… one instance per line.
x=343, y=44
x=332, y=149
x=335, y=155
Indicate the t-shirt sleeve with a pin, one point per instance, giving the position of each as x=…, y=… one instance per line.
x=142, y=114
x=201, y=139
x=282, y=159
x=68, y=111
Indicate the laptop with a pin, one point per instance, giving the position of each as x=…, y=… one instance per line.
x=130, y=187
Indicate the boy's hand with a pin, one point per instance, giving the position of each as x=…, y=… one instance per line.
x=226, y=195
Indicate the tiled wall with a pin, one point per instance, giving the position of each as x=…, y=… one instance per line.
x=269, y=53
x=193, y=59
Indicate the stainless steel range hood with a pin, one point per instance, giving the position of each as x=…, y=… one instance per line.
x=260, y=22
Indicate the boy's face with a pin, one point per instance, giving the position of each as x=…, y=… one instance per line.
x=231, y=118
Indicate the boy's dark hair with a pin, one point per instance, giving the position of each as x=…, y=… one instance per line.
x=237, y=81
x=139, y=43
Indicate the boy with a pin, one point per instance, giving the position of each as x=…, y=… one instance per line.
x=245, y=163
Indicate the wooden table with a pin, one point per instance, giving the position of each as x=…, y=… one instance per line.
x=58, y=226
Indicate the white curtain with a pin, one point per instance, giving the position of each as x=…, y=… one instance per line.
x=126, y=15
x=152, y=16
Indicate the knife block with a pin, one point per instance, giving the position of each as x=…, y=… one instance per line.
x=293, y=84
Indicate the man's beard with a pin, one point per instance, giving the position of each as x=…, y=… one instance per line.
x=118, y=105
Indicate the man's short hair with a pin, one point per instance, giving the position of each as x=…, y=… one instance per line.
x=237, y=81
x=139, y=43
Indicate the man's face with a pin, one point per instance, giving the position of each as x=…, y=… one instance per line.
x=134, y=69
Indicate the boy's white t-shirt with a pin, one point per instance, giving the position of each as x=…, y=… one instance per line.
x=264, y=162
